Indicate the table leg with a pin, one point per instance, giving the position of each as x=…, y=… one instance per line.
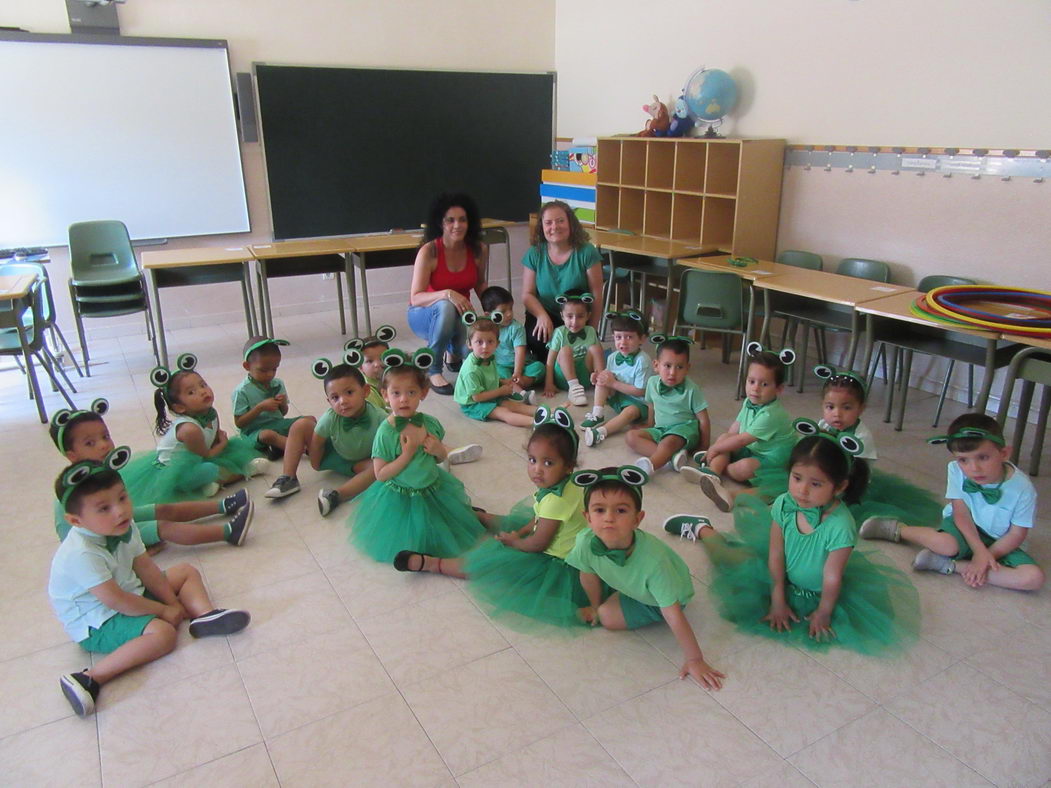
x=854, y=331
x=609, y=296
x=867, y=355
x=365, y=293
x=990, y=373
x=264, y=297
x=668, y=322
x=764, y=332
x=162, y=345
x=892, y=379
x=1025, y=402
x=246, y=297
x=749, y=319
x=339, y=297
x=352, y=292
x=906, y=373
x=1041, y=428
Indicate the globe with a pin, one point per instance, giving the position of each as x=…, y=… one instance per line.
x=710, y=94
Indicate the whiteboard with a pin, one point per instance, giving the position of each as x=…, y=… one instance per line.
x=141, y=130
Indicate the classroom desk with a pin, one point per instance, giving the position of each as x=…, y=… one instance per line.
x=300, y=258
x=645, y=246
x=895, y=309
x=14, y=288
x=184, y=267
x=829, y=288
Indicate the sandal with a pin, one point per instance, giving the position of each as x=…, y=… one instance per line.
x=401, y=561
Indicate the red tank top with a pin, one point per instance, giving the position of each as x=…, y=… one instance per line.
x=444, y=279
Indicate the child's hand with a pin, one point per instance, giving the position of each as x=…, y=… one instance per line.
x=550, y=390
x=220, y=439
x=432, y=445
x=780, y=618
x=588, y=615
x=412, y=438
x=821, y=626
x=703, y=673
x=173, y=614
x=978, y=569
x=603, y=378
x=271, y=404
x=506, y=537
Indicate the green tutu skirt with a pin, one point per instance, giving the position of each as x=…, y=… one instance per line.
x=437, y=520
x=186, y=474
x=878, y=611
x=888, y=495
x=771, y=477
x=523, y=587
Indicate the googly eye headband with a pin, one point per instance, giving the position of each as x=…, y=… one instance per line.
x=851, y=445
x=580, y=298
x=63, y=418
x=470, y=318
x=384, y=334
x=421, y=359
x=660, y=339
x=78, y=473
x=631, y=314
x=161, y=378
x=631, y=475
x=831, y=375
x=262, y=342
x=787, y=356
x=968, y=432
x=560, y=418
x=741, y=262
x=352, y=356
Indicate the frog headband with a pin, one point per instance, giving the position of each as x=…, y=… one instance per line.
x=80, y=472
x=262, y=342
x=741, y=262
x=384, y=334
x=62, y=419
x=470, y=318
x=583, y=298
x=161, y=377
x=968, y=432
x=660, y=339
x=630, y=475
x=832, y=375
x=560, y=418
x=787, y=355
x=352, y=356
x=631, y=314
x=850, y=444
x=421, y=359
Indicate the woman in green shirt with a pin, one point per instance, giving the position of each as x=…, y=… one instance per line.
x=561, y=258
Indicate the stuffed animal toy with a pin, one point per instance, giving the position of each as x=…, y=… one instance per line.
x=657, y=125
x=681, y=122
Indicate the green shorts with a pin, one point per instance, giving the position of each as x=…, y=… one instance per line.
x=742, y=454
x=583, y=374
x=480, y=410
x=637, y=614
x=280, y=426
x=116, y=631
x=532, y=369
x=1017, y=557
x=621, y=402
x=689, y=431
x=334, y=461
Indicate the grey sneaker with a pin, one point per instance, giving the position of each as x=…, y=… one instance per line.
x=885, y=528
x=240, y=523
x=679, y=460
x=283, y=487
x=81, y=691
x=930, y=561
x=712, y=486
x=327, y=500
x=693, y=475
x=686, y=525
x=468, y=453
x=219, y=622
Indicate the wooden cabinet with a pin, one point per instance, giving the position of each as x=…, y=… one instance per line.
x=721, y=193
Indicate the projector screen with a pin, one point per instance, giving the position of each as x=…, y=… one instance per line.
x=136, y=129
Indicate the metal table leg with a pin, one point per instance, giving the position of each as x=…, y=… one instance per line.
x=162, y=345
x=352, y=291
x=246, y=298
x=906, y=373
x=867, y=354
x=364, y=292
x=854, y=330
x=264, y=298
x=764, y=332
x=339, y=298
x=990, y=373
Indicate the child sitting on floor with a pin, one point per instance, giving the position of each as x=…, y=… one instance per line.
x=372, y=349
x=575, y=349
x=480, y=391
x=513, y=360
x=622, y=385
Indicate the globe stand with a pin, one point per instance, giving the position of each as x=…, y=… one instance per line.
x=712, y=134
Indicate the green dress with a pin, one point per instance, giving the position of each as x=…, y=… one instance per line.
x=878, y=609
x=424, y=508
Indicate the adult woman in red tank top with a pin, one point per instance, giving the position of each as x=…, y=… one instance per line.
x=450, y=264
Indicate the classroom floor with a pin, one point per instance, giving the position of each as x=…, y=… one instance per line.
x=352, y=673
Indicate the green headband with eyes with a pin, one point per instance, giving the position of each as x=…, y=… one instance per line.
x=470, y=318
x=968, y=432
x=660, y=339
x=560, y=418
x=351, y=356
x=583, y=298
x=631, y=475
x=787, y=355
x=851, y=445
x=161, y=377
x=80, y=472
x=262, y=343
x=384, y=334
x=741, y=262
x=830, y=375
x=421, y=359
x=62, y=419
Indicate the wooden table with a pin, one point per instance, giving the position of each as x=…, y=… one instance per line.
x=301, y=258
x=646, y=246
x=206, y=265
x=897, y=308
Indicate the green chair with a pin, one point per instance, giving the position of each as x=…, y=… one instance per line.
x=492, y=236
x=1030, y=365
x=713, y=301
x=47, y=306
x=801, y=259
x=105, y=279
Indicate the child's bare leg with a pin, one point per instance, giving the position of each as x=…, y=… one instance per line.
x=187, y=510
x=517, y=414
x=453, y=567
x=596, y=358
x=190, y=533
x=666, y=449
x=156, y=640
x=566, y=363
x=717, y=462
x=271, y=438
x=601, y=396
x=640, y=441
x=627, y=416
x=742, y=470
x=226, y=477
x=298, y=439
x=525, y=381
x=1028, y=577
x=364, y=475
x=189, y=587
x=934, y=540
x=610, y=614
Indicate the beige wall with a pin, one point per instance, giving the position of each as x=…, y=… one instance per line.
x=468, y=34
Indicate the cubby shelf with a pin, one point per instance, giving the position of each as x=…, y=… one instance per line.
x=722, y=193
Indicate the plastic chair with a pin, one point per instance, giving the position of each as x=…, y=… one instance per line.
x=105, y=277
x=1030, y=365
x=498, y=235
x=801, y=259
x=714, y=301
x=47, y=306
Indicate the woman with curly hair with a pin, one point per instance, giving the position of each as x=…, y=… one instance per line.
x=450, y=263
x=561, y=258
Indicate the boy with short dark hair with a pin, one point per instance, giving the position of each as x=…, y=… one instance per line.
x=480, y=391
x=513, y=361
x=622, y=384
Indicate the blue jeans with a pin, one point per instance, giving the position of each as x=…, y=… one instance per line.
x=440, y=327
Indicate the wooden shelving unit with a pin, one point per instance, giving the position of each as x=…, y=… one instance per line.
x=725, y=193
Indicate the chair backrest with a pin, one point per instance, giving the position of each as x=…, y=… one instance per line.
x=801, y=259
x=940, y=280
x=711, y=299
x=493, y=235
x=100, y=253
x=859, y=267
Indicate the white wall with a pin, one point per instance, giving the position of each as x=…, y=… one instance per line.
x=468, y=34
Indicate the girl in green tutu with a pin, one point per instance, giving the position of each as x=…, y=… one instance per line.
x=414, y=504
x=194, y=456
x=793, y=574
x=522, y=570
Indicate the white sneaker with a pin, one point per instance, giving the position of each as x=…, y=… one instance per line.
x=593, y=436
x=679, y=460
x=577, y=395
x=643, y=463
x=257, y=466
x=468, y=453
x=529, y=396
x=210, y=489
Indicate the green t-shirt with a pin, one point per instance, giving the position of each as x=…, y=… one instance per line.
x=554, y=280
x=680, y=404
x=474, y=378
x=805, y=554
x=567, y=507
x=770, y=425
x=512, y=335
x=351, y=437
x=375, y=395
x=422, y=470
x=653, y=574
x=248, y=394
x=580, y=344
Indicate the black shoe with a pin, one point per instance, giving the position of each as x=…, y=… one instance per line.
x=81, y=691
x=447, y=389
x=270, y=452
x=232, y=503
x=454, y=365
x=239, y=525
x=219, y=622
x=401, y=561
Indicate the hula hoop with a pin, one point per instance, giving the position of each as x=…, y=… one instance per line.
x=957, y=303
x=932, y=302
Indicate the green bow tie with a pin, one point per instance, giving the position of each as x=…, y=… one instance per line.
x=400, y=422
x=555, y=489
x=752, y=407
x=484, y=361
x=206, y=418
x=991, y=495
x=350, y=422
x=620, y=358
x=112, y=542
x=665, y=389
x=617, y=556
x=811, y=514
x=576, y=335
x=845, y=431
